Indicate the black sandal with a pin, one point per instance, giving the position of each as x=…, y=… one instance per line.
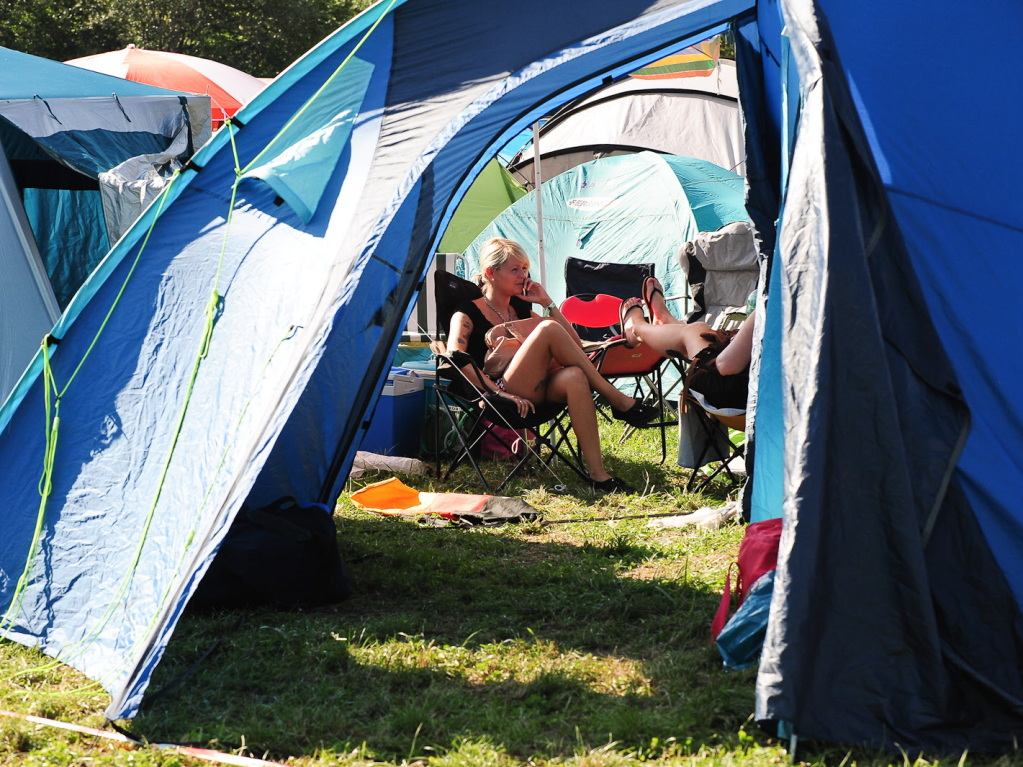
x=640, y=414
x=613, y=485
x=651, y=287
x=622, y=314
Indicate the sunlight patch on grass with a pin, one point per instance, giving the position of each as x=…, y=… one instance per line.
x=516, y=660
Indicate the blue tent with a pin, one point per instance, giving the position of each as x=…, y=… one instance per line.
x=631, y=209
x=233, y=343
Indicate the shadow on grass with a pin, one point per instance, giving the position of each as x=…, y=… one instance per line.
x=454, y=635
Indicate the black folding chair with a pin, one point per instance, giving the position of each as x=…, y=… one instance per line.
x=472, y=412
x=712, y=437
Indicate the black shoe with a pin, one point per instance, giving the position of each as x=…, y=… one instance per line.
x=613, y=485
x=639, y=414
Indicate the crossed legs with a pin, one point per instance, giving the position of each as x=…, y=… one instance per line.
x=529, y=375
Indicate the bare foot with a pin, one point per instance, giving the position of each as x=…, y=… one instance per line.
x=653, y=297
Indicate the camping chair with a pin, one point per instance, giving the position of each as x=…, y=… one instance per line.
x=722, y=270
x=591, y=286
x=618, y=362
x=472, y=412
x=708, y=441
x=704, y=430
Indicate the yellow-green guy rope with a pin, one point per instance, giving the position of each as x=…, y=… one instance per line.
x=53, y=423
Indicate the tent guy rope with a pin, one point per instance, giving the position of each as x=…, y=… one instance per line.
x=205, y=754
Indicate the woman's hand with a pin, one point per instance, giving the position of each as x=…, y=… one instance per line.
x=522, y=405
x=535, y=293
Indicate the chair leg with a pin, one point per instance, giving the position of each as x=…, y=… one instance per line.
x=697, y=482
x=558, y=444
x=467, y=439
x=653, y=391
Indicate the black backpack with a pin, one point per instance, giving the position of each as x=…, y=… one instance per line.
x=282, y=555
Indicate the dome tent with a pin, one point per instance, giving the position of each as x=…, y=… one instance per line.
x=629, y=209
x=79, y=151
x=688, y=116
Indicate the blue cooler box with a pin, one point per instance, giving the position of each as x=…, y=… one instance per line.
x=427, y=372
x=398, y=420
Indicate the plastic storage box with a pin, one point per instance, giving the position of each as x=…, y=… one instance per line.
x=398, y=420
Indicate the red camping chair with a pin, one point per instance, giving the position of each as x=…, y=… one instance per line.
x=616, y=361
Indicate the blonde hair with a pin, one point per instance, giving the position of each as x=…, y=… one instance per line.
x=496, y=252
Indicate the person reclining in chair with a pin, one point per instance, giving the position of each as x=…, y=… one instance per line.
x=531, y=378
x=719, y=360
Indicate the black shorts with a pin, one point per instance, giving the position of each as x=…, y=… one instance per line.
x=719, y=390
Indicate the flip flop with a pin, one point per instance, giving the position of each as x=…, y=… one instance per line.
x=651, y=287
x=623, y=312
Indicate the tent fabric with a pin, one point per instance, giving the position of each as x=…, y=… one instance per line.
x=53, y=114
x=894, y=514
x=392, y=497
x=491, y=192
x=28, y=306
x=630, y=209
x=886, y=427
x=687, y=116
x=228, y=88
x=722, y=269
x=82, y=150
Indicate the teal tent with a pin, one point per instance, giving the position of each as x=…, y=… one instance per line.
x=629, y=209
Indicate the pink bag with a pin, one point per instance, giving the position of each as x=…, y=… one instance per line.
x=758, y=554
x=493, y=449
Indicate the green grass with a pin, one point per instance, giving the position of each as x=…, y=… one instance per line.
x=579, y=640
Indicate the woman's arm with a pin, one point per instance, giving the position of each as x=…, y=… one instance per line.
x=737, y=355
x=537, y=294
x=459, y=332
x=458, y=345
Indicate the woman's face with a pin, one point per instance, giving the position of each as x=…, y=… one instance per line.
x=511, y=276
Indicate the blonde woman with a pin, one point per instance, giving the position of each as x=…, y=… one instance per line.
x=508, y=294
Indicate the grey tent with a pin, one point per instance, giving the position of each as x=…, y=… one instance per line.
x=687, y=116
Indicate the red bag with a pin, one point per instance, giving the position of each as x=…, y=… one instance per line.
x=758, y=554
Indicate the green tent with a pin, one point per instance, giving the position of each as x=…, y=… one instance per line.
x=493, y=190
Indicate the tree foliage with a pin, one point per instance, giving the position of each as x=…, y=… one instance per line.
x=260, y=37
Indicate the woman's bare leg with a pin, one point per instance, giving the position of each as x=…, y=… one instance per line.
x=668, y=338
x=737, y=355
x=529, y=372
x=569, y=385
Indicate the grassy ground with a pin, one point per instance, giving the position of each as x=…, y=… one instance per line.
x=579, y=640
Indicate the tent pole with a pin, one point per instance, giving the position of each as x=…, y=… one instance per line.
x=537, y=181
